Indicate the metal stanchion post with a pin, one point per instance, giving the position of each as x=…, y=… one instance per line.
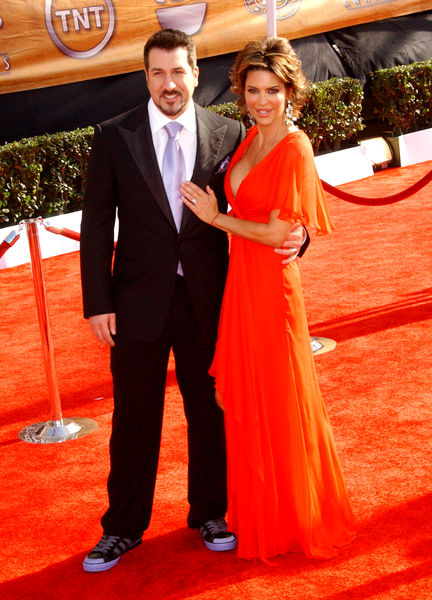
x=57, y=429
x=271, y=18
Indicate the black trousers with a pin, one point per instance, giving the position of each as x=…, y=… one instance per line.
x=139, y=374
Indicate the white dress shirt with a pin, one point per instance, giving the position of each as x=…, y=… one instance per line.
x=187, y=137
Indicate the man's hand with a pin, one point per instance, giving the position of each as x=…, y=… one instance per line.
x=292, y=244
x=219, y=401
x=103, y=327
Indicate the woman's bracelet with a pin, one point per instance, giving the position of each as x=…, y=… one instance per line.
x=215, y=217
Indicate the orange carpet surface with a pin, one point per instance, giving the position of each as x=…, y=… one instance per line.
x=368, y=287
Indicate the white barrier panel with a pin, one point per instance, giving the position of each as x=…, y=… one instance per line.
x=344, y=166
x=415, y=147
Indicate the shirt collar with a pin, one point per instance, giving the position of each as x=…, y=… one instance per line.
x=159, y=120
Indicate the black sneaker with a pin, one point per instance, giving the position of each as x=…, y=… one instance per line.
x=216, y=537
x=107, y=553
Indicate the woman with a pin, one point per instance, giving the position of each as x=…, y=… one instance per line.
x=286, y=490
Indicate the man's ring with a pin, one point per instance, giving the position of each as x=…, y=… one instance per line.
x=193, y=201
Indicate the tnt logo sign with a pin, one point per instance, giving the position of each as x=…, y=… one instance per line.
x=80, y=28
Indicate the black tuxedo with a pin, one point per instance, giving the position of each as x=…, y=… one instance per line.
x=123, y=173
x=156, y=310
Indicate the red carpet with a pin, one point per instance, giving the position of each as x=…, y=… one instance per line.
x=368, y=286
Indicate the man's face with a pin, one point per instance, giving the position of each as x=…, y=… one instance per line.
x=170, y=80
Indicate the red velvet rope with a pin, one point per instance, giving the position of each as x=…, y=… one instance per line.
x=8, y=242
x=64, y=231
x=412, y=189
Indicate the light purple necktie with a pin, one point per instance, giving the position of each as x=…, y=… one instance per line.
x=174, y=171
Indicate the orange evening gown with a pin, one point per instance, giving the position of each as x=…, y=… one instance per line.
x=285, y=486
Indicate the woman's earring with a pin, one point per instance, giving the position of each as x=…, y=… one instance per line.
x=251, y=119
x=289, y=112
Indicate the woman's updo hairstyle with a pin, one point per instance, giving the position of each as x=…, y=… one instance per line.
x=275, y=55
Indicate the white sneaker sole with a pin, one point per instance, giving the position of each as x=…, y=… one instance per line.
x=94, y=567
x=221, y=546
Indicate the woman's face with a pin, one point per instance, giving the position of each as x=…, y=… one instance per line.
x=266, y=96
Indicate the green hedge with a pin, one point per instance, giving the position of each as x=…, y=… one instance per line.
x=332, y=113
x=402, y=97
x=45, y=175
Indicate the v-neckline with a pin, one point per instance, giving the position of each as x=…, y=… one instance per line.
x=258, y=163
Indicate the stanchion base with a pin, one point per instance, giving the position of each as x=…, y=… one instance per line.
x=54, y=432
x=321, y=345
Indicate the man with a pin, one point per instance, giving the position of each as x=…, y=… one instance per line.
x=164, y=291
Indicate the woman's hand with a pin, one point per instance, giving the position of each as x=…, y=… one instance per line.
x=203, y=204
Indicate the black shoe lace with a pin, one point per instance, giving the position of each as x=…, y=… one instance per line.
x=216, y=526
x=107, y=542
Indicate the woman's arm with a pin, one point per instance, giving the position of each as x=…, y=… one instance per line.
x=204, y=206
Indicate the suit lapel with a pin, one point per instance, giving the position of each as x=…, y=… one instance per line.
x=209, y=143
x=136, y=133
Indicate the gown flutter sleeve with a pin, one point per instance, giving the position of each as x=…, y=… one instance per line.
x=295, y=187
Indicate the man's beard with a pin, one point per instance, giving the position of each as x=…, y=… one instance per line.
x=170, y=110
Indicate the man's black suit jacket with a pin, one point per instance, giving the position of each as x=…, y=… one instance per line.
x=123, y=176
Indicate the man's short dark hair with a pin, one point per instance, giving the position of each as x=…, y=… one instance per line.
x=171, y=39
